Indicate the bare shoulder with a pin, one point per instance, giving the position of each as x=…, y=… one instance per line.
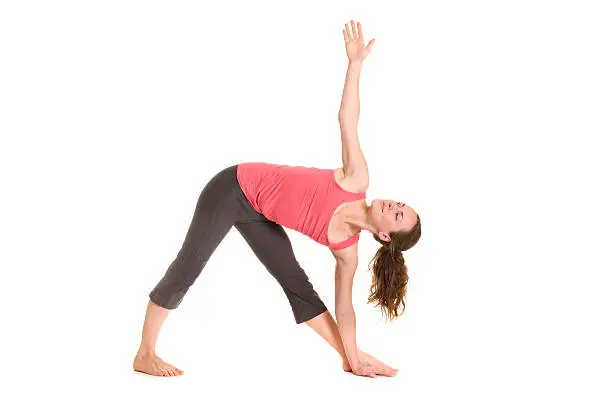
x=353, y=183
x=347, y=256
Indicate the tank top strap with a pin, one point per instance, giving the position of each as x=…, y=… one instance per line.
x=343, y=245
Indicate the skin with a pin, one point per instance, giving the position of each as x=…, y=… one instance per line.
x=146, y=360
x=380, y=218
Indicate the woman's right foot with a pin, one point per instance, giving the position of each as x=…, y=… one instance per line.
x=152, y=364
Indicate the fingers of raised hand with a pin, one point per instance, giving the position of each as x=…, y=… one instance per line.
x=348, y=34
x=353, y=32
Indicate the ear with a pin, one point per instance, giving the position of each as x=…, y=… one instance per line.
x=384, y=236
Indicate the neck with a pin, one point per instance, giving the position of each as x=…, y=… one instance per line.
x=358, y=216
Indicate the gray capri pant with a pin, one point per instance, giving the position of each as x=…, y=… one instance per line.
x=221, y=205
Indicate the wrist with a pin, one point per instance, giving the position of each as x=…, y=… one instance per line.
x=353, y=360
x=356, y=63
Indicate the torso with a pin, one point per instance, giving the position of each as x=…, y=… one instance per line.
x=337, y=231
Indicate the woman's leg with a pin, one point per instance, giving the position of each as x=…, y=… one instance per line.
x=218, y=208
x=272, y=246
x=146, y=360
x=326, y=327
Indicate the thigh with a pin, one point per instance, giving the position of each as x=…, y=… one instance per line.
x=216, y=211
x=271, y=245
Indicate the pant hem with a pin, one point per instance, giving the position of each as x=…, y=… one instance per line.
x=308, y=317
x=155, y=300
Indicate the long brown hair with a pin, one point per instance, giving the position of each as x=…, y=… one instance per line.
x=389, y=271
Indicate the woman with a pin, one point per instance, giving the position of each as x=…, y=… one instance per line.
x=329, y=206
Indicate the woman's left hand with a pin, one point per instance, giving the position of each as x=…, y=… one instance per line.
x=356, y=51
x=382, y=369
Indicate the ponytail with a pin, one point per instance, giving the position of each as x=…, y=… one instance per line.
x=389, y=281
x=390, y=273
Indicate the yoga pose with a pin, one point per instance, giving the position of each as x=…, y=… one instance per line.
x=329, y=206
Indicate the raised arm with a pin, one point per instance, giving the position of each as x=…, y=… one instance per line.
x=353, y=160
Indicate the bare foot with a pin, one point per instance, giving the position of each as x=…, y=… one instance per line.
x=346, y=366
x=152, y=364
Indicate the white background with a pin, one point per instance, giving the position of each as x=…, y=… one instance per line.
x=490, y=118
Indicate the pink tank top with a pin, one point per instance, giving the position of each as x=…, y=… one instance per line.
x=300, y=198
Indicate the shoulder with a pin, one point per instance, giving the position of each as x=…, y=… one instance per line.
x=352, y=183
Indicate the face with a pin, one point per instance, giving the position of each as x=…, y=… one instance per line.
x=391, y=216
